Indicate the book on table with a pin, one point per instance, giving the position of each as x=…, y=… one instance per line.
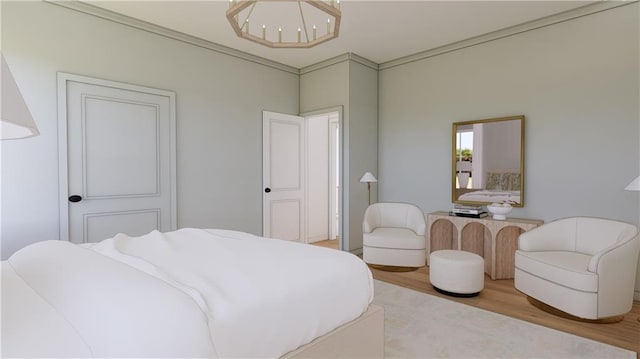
x=466, y=206
x=468, y=210
x=469, y=215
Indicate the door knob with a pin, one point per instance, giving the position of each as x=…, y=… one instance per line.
x=267, y=190
x=75, y=198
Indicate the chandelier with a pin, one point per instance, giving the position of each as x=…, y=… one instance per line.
x=285, y=23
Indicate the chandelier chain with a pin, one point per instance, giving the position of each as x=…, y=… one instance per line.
x=304, y=24
x=246, y=19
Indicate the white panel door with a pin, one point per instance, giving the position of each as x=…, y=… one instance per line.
x=283, y=162
x=117, y=158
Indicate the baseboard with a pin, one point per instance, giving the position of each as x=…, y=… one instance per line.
x=312, y=239
x=357, y=251
x=636, y=295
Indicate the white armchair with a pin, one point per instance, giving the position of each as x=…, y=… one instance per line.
x=394, y=235
x=583, y=266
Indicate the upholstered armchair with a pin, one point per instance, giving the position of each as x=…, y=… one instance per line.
x=394, y=235
x=583, y=266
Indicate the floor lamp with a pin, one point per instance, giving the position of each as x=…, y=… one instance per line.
x=368, y=178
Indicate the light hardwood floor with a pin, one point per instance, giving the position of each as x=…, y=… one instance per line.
x=333, y=244
x=500, y=296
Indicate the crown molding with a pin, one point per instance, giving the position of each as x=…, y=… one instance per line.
x=325, y=63
x=349, y=56
x=172, y=34
x=363, y=61
x=509, y=31
x=586, y=10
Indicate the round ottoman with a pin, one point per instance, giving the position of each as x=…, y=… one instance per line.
x=456, y=273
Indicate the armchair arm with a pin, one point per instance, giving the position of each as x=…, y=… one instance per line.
x=616, y=268
x=558, y=235
x=421, y=229
x=611, y=253
x=416, y=221
x=370, y=221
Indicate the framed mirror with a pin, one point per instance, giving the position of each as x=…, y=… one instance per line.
x=488, y=161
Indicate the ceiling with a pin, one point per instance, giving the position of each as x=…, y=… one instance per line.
x=377, y=30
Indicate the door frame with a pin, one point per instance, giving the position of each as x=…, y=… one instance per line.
x=63, y=174
x=333, y=185
x=341, y=224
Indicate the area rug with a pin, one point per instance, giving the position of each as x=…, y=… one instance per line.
x=419, y=325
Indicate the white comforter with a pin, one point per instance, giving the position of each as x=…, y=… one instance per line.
x=491, y=196
x=188, y=293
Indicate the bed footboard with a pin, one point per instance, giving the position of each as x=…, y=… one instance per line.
x=363, y=337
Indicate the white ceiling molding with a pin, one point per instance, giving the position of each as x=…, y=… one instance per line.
x=510, y=31
x=163, y=31
x=338, y=59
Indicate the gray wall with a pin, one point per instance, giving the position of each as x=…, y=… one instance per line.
x=219, y=116
x=352, y=85
x=363, y=143
x=506, y=156
x=577, y=84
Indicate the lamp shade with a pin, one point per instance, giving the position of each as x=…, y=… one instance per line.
x=368, y=177
x=634, y=185
x=15, y=118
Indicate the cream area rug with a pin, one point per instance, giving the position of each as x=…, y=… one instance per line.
x=419, y=325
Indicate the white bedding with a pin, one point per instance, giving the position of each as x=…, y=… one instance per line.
x=188, y=293
x=491, y=196
x=62, y=300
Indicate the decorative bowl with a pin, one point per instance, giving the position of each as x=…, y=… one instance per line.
x=499, y=210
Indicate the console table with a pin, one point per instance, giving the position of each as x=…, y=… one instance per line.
x=494, y=240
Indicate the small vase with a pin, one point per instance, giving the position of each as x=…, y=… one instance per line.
x=463, y=180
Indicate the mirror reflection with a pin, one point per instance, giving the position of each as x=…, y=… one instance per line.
x=488, y=161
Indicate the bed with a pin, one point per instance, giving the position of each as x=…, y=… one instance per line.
x=188, y=293
x=491, y=196
x=500, y=186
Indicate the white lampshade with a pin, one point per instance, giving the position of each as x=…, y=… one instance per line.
x=15, y=118
x=634, y=185
x=368, y=177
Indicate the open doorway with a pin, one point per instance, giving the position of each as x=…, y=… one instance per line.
x=323, y=178
x=302, y=177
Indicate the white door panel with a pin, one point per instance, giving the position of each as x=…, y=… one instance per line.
x=284, y=156
x=117, y=153
x=113, y=131
x=283, y=176
x=101, y=225
x=283, y=222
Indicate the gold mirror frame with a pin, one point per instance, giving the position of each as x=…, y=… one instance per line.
x=497, y=183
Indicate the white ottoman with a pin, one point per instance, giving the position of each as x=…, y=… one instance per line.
x=456, y=273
